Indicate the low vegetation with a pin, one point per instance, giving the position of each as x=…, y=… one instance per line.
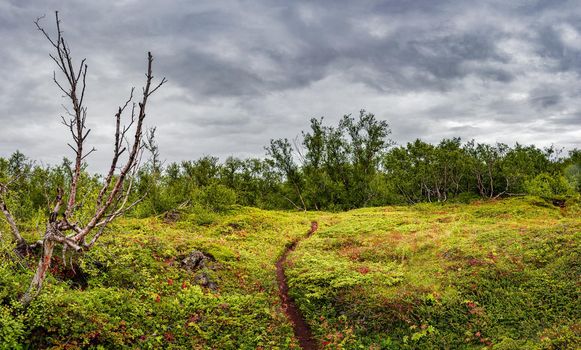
x=496, y=275
x=134, y=291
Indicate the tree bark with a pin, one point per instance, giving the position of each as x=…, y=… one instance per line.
x=12, y=223
x=42, y=268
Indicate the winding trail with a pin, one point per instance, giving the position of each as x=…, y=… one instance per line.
x=300, y=326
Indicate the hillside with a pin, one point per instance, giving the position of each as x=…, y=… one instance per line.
x=501, y=274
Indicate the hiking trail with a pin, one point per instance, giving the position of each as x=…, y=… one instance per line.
x=301, y=328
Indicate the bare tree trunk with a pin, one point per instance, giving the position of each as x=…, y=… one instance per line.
x=491, y=179
x=480, y=185
x=21, y=245
x=404, y=193
x=300, y=196
x=42, y=268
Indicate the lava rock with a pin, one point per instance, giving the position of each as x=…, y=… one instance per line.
x=204, y=280
x=197, y=260
x=199, y=263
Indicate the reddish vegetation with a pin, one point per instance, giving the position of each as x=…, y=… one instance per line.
x=363, y=270
x=300, y=326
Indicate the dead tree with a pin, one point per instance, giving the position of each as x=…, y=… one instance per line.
x=20, y=242
x=113, y=199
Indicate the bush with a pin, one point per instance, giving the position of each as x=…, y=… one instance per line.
x=12, y=329
x=547, y=186
x=14, y=277
x=561, y=337
x=573, y=175
x=465, y=198
x=215, y=197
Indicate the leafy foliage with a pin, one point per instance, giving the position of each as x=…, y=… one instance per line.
x=545, y=185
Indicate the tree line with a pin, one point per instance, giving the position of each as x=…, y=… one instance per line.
x=350, y=165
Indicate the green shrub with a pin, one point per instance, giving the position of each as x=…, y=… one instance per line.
x=12, y=327
x=547, y=186
x=561, y=337
x=465, y=197
x=200, y=216
x=573, y=175
x=14, y=276
x=215, y=197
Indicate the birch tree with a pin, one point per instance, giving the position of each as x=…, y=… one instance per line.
x=64, y=228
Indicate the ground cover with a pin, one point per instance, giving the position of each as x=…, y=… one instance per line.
x=496, y=275
x=500, y=274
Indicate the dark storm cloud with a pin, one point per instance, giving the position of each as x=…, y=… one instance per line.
x=242, y=72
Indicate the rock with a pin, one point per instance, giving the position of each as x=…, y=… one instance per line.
x=204, y=280
x=197, y=260
x=199, y=263
x=171, y=216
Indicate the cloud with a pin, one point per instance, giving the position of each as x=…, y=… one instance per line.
x=241, y=73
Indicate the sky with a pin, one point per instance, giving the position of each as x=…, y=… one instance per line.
x=243, y=72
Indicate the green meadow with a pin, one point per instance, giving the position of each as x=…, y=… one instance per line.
x=487, y=275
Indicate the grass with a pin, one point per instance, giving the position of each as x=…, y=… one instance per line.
x=495, y=275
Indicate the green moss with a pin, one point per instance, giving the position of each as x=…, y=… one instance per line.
x=497, y=275
x=471, y=276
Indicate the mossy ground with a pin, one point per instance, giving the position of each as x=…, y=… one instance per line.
x=501, y=274
x=135, y=294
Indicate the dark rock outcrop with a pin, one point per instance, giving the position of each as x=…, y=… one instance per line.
x=200, y=263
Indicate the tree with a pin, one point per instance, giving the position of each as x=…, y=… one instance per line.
x=64, y=226
x=369, y=138
x=280, y=152
x=572, y=169
x=520, y=164
x=485, y=165
x=316, y=179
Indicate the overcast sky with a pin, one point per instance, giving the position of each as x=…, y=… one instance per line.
x=243, y=72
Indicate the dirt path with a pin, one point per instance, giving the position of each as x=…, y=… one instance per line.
x=300, y=326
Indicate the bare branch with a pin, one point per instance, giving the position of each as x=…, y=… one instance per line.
x=9, y=218
x=73, y=148
x=84, y=82
x=67, y=241
x=57, y=206
x=116, y=189
x=55, y=80
x=88, y=153
x=163, y=81
x=132, y=157
x=37, y=23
